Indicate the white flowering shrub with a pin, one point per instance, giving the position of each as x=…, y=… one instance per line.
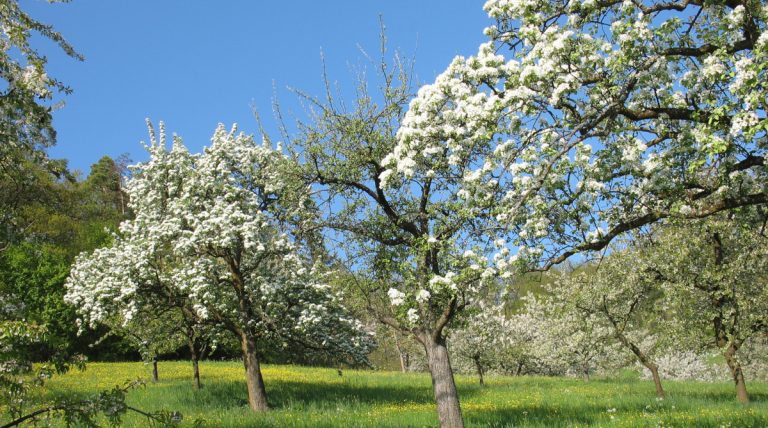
x=689, y=365
x=561, y=341
x=754, y=355
x=478, y=344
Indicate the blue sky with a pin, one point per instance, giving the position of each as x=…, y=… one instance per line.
x=194, y=63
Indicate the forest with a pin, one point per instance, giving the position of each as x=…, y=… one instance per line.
x=567, y=228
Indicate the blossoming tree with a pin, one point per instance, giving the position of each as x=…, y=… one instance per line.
x=578, y=121
x=215, y=229
x=581, y=120
x=479, y=342
x=416, y=251
x=623, y=293
x=716, y=285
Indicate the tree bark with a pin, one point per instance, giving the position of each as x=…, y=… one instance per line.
x=479, y=370
x=257, y=394
x=155, y=376
x=196, y=371
x=519, y=368
x=404, y=363
x=194, y=353
x=195, y=363
x=645, y=361
x=657, y=380
x=737, y=373
x=446, y=396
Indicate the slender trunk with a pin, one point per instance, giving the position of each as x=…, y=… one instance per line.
x=723, y=326
x=196, y=370
x=257, y=394
x=737, y=373
x=403, y=356
x=195, y=362
x=586, y=372
x=448, y=407
x=519, y=368
x=122, y=201
x=155, y=377
x=479, y=370
x=645, y=361
x=657, y=380
x=402, y=363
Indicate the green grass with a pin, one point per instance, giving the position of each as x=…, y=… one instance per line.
x=315, y=397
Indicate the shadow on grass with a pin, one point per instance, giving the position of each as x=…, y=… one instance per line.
x=285, y=394
x=537, y=416
x=717, y=395
x=588, y=415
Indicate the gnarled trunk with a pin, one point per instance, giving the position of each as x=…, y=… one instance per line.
x=257, y=394
x=737, y=373
x=446, y=396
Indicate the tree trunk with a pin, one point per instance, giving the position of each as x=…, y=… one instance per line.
x=195, y=360
x=155, y=377
x=657, y=380
x=257, y=394
x=645, y=361
x=737, y=373
x=479, y=370
x=448, y=407
x=586, y=372
x=519, y=368
x=403, y=356
x=196, y=371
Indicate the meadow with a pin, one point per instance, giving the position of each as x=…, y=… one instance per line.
x=319, y=397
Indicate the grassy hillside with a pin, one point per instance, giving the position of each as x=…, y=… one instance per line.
x=312, y=397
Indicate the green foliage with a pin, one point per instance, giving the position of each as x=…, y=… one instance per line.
x=45, y=267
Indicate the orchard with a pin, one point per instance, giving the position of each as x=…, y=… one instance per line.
x=576, y=210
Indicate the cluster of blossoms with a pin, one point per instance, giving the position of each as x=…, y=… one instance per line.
x=688, y=365
x=596, y=118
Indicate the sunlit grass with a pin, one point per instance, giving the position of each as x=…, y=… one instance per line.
x=317, y=397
